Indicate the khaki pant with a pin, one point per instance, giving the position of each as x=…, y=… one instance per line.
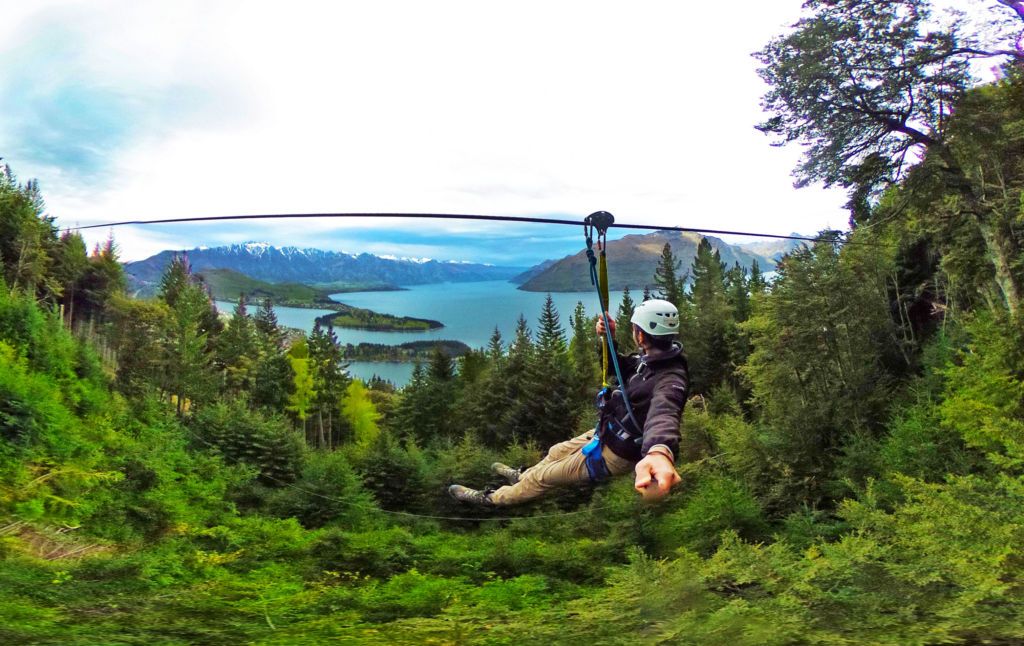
x=564, y=465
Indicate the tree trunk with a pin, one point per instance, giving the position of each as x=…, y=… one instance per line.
x=1003, y=252
x=321, y=441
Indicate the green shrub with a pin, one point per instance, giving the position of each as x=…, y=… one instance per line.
x=396, y=474
x=717, y=504
x=410, y=594
x=329, y=490
x=378, y=553
x=246, y=436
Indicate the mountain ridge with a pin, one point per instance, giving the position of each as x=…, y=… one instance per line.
x=309, y=266
x=633, y=258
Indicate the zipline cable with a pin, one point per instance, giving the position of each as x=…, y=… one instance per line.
x=459, y=216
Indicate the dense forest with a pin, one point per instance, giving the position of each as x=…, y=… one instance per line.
x=852, y=456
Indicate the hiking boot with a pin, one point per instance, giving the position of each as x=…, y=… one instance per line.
x=507, y=472
x=472, y=496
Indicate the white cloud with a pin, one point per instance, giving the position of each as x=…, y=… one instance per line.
x=527, y=109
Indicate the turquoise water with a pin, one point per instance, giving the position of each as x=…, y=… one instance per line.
x=469, y=312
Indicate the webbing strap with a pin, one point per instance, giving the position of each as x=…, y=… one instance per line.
x=602, y=287
x=603, y=297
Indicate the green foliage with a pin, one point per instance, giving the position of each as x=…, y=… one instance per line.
x=303, y=390
x=328, y=490
x=715, y=505
x=817, y=372
x=396, y=474
x=666, y=277
x=244, y=436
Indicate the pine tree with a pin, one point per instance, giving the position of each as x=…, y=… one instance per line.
x=666, y=277
x=520, y=357
x=237, y=349
x=266, y=322
x=273, y=378
x=623, y=326
x=550, y=402
x=175, y=279
x=708, y=342
x=495, y=349
x=489, y=401
x=409, y=420
x=821, y=339
x=756, y=284
x=189, y=376
x=28, y=239
x=582, y=350
x=737, y=292
x=103, y=278
x=331, y=381
x=69, y=265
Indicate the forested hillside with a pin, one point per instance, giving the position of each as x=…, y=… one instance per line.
x=852, y=456
x=635, y=259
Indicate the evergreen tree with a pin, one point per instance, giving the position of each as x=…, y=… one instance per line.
x=70, y=263
x=495, y=349
x=623, y=326
x=28, y=239
x=516, y=386
x=666, y=277
x=103, y=278
x=409, y=420
x=821, y=339
x=489, y=401
x=707, y=339
x=140, y=330
x=237, y=349
x=189, y=374
x=273, y=378
x=331, y=382
x=266, y=322
x=756, y=284
x=175, y=279
x=582, y=353
x=550, y=397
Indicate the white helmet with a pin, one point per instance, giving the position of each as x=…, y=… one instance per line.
x=656, y=317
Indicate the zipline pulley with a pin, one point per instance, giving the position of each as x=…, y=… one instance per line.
x=601, y=221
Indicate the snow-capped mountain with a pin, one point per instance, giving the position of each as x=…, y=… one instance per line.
x=264, y=261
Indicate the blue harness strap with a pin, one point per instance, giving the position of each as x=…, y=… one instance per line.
x=596, y=466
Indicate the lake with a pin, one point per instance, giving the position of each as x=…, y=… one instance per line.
x=469, y=311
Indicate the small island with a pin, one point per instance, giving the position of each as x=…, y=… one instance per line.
x=405, y=352
x=362, y=319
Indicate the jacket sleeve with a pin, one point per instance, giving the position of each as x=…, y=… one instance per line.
x=666, y=411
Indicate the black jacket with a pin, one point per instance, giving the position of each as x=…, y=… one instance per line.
x=657, y=385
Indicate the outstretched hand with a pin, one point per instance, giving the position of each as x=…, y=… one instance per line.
x=600, y=324
x=655, y=476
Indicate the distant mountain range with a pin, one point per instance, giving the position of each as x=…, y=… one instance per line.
x=633, y=259
x=316, y=267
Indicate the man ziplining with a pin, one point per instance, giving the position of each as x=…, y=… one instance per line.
x=638, y=429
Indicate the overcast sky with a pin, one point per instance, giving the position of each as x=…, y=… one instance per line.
x=144, y=110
